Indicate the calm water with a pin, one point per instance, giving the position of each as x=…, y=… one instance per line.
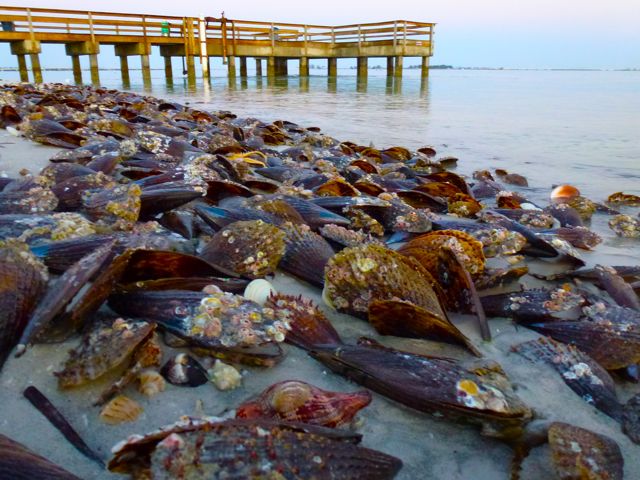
x=552, y=126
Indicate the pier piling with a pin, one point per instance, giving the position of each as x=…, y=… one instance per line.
x=124, y=69
x=390, y=66
x=332, y=67
x=22, y=67
x=363, y=67
x=77, y=69
x=258, y=67
x=231, y=66
x=397, y=71
x=304, y=67
x=168, y=68
x=146, y=70
x=425, y=67
x=243, y=67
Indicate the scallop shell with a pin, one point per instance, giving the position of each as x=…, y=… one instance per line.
x=357, y=276
x=610, y=335
x=580, y=372
x=102, y=350
x=120, y=410
x=150, y=383
x=252, y=248
x=425, y=249
x=23, y=279
x=582, y=454
x=296, y=401
x=306, y=253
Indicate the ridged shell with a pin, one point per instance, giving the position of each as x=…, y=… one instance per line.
x=18, y=462
x=611, y=336
x=118, y=207
x=120, y=410
x=296, y=401
x=150, y=383
x=579, y=371
x=251, y=248
x=23, y=279
x=242, y=452
x=582, y=454
x=425, y=249
x=306, y=253
x=102, y=350
x=357, y=276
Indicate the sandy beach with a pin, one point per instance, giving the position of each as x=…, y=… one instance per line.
x=429, y=447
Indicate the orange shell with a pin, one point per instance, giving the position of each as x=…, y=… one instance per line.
x=470, y=250
x=119, y=410
x=564, y=192
x=296, y=401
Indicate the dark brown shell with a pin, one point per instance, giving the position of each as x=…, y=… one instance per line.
x=580, y=372
x=23, y=279
x=63, y=290
x=251, y=249
x=296, y=401
x=611, y=337
x=582, y=454
x=18, y=462
x=306, y=253
x=103, y=349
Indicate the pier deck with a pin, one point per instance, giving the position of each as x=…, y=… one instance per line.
x=84, y=33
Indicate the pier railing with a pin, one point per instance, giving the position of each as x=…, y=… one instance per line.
x=58, y=25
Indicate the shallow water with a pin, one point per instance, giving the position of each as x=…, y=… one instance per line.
x=581, y=127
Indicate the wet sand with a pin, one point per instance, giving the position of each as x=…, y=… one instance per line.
x=429, y=448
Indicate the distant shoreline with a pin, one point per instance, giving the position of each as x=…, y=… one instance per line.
x=412, y=67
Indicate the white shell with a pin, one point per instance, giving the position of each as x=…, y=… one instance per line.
x=225, y=377
x=14, y=131
x=259, y=291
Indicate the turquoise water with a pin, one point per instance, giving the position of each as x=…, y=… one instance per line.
x=581, y=127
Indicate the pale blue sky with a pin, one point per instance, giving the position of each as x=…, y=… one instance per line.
x=492, y=33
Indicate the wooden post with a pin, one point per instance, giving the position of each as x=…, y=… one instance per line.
x=425, y=67
x=306, y=40
x=332, y=64
x=258, y=67
x=282, y=69
x=398, y=67
x=231, y=66
x=389, y=66
x=124, y=69
x=363, y=67
x=146, y=70
x=77, y=70
x=204, y=54
x=22, y=67
x=191, y=70
x=304, y=66
x=95, y=72
x=243, y=67
x=271, y=67
x=168, y=68
x=35, y=67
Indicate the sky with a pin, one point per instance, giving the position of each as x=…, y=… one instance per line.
x=470, y=33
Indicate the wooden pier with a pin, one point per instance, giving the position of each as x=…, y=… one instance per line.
x=84, y=33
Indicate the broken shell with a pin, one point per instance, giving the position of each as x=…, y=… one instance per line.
x=184, y=371
x=120, y=410
x=225, y=377
x=151, y=383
